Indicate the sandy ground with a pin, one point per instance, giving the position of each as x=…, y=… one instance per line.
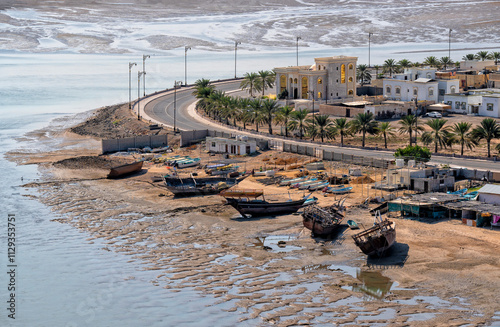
x=440, y=273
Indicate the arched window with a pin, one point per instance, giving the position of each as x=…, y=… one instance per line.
x=320, y=81
x=342, y=74
x=431, y=91
x=388, y=90
x=282, y=83
x=305, y=87
x=291, y=80
x=351, y=92
x=350, y=79
x=415, y=91
x=320, y=95
x=398, y=90
x=429, y=75
x=351, y=66
x=453, y=90
x=295, y=81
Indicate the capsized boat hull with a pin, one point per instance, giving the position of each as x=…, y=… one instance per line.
x=377, y=239
x=124, y=170
x=322, y=221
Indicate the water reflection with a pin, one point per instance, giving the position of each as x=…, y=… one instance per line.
x=373, y=284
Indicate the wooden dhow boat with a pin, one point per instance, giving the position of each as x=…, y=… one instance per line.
x=247, y=204
x=123, y=170
x=323, y=221
x=377, y=239
x=190, y=186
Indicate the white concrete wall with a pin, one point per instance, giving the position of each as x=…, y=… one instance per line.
x=469, y=100
x=407, y=90
x=490, y=106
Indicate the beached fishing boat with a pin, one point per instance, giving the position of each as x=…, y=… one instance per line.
x=310, y=201
x=246, y=206
x=191, y=186
x=352, y=224
x=233, y=193
x=377, y=239
x=123, y=170
x=338, y=190
x=318, y=186
x=187, y=163
x=287, y=182
x=223, y=170
x=306, y=182
x=323, y=221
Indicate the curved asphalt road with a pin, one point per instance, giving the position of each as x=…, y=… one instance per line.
x=161, y=109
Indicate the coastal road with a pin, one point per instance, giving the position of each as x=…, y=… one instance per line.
x=160, y=109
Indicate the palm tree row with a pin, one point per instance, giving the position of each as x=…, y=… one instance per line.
x=483, y=55
x=266, y=112
x=258, y=82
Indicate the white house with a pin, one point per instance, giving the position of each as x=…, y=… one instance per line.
x=490, y=106
x=240, y=145
x=447, y=86
x=463, y=103
x=401, y=90
x=414, y=73
x=489, y=193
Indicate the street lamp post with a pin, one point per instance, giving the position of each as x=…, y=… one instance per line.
x=298, y=38
x=235, y=49
x=175, y=104
x=144, y=70
x=139, y=74
x=312, y=95
x=449, y=44
x=130, y=65
x=186, y=48
x=369, y=47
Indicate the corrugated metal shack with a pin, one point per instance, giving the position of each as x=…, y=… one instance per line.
x=474, y=213
x=428, y=205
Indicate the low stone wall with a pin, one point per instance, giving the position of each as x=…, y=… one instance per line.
x=115, y=145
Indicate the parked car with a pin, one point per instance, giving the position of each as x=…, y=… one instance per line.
x=434, y=114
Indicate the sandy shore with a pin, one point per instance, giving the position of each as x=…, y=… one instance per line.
x=440, y=273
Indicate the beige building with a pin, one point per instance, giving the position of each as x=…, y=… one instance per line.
x=329, y=78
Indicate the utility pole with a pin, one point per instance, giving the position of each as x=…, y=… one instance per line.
x=449, y=44
x=298, y=38
x=235, y=49
x=144, y=70
x=175, y=104
x=130, y=65
x=139, y=74
x=369, y=47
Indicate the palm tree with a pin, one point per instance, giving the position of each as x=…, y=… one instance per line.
x=496, y=56
x=255, y=113
x=416, y=64
x=439, y=134
x=284, y=116
x=250, y=83
x=322, y=125
x=409, y=125
x=244, y=111
x=386, y=130
x=431, y=61
x=446, y=61
x=463, y=136
x=298, y=119
x=469, y=57
x=364, y=123
x=390, y=66
x=266, y=80
x=488, y=129
x=482, y=55
x=342, y=127
x=269, y=108
x=363, y=74
x=404, y=63
x=376, y=67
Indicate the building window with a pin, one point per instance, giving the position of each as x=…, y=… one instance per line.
x=449, y=103
x=320, y=95
x=350, y=79
x=398, y=90
x=452, y=89
x=431, y=91
x=415, y=92
x=295, y=81
x=305, y=87
x=351, y=66
x=320, y=81
x=464, y=106
x=282, y=83
x=342, y=74
x=457, y=104
x=388, y=90
x=351, y=92
x=441, y=92
x=213, y=144
x=489, y=106
x=291, y=80
x=429, y=76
